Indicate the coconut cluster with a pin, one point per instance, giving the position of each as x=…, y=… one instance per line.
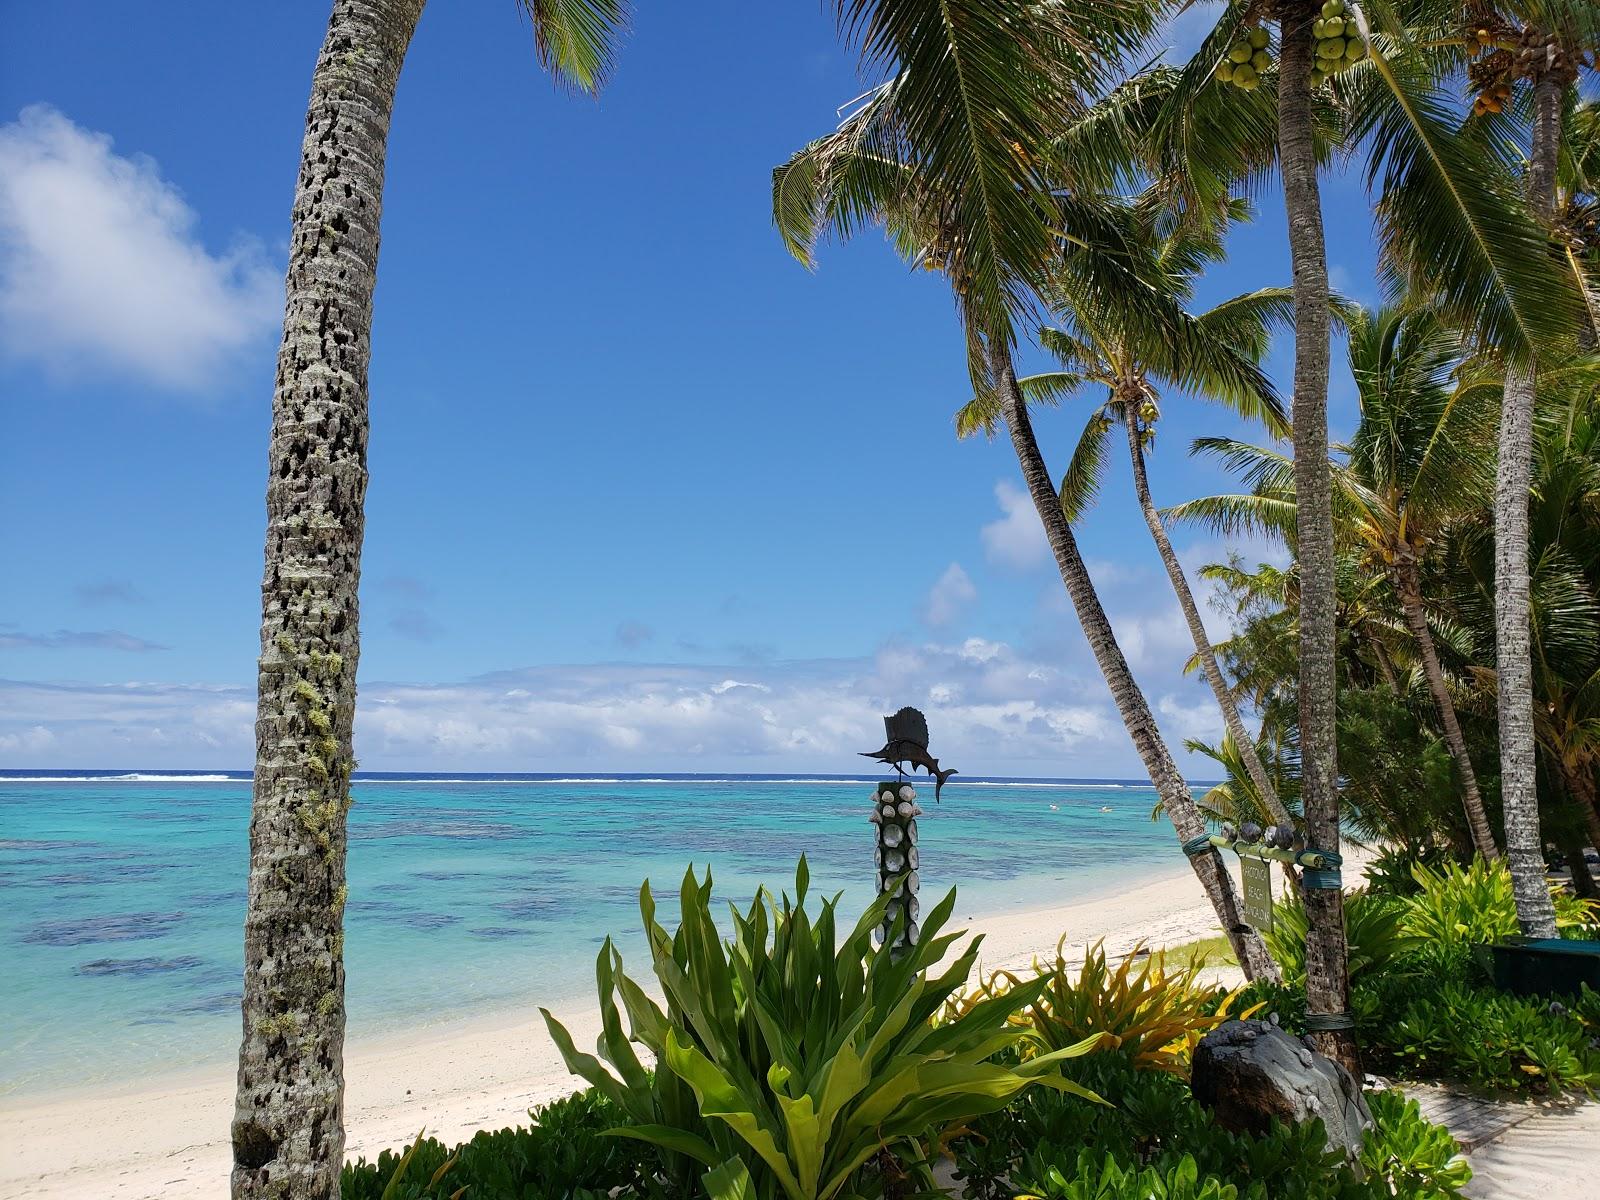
x=1339, y=43
x=1510, y=54
x=1247, y=59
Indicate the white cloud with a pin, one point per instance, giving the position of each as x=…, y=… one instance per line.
x=1201, y=720
x=1158, y=639
x=100, y=264
x=992, y=709
x=1017, y=538
x=951, y=595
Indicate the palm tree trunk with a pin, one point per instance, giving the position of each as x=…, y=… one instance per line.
x=1327, y=974
x=1197, y=630
x=1140, y=723
x=1410, y=589
x=1513, y=650
x=1581, y=782
x=288, y=1126
x=1583, y=883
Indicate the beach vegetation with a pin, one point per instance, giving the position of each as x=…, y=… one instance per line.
x=1153, y=1136
x=792, y=1054
x=1150, y=1009
x=1474, y=905
x=562, y=1154
x=1375, y=929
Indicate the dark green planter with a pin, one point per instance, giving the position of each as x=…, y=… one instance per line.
x=1545, y=966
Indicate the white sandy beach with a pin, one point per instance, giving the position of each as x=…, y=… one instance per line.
x=167, y=1138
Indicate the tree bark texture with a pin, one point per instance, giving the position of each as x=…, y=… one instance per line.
x=1409, y=585
x=1327, y=976
x=1512, y=610
x=288, y=1130
x=1197, y=629
x=1137, y=718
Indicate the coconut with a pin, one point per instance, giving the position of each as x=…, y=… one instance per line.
x=1259, y=38
x=1260, y=60
x=1225, y=70
x=1241, y=52
x=1333, y=8
x=1355, y=50
x=1317, y=78
x=1245, y=76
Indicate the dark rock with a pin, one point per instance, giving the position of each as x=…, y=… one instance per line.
x=1250, y=1073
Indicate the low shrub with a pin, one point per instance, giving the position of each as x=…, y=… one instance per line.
x=564, y=1155
x=1475, y=905
x=1155, y=1136
x=1375, y=933
x=786, y=1059
x=1147, y=1009
x=1389, y=872
x=1428, y=1026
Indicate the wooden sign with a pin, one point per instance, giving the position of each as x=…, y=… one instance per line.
x=1257, y=876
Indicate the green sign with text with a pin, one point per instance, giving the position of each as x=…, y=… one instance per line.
x=1257, y=876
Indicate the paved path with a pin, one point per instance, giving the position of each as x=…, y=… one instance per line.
x=1520, y=1151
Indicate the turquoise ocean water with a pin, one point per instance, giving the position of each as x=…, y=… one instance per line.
x=124, y=893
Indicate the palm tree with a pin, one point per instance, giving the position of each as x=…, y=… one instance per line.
x=1218, y=360
x=1493, y=295
x=951, y=156
x=1445, y=209
x=288, y=1126
x=1419, y=459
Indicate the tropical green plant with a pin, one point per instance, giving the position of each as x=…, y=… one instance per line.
x=564, y=1154
x=802, y=1055
x=1423, y=1026
x=1102, y=1177
x=1147, y=1010
x=1375, y=934
x=1046, y=1143
x=1476, y=904
x=288, y=1131
x=1417, y=1159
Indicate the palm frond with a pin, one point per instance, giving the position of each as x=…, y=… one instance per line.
x=577, y=40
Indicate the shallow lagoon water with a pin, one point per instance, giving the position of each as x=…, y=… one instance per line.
x=124, y=896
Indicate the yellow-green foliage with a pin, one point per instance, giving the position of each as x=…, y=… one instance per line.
x=1154, y=1012
x=1475, y=905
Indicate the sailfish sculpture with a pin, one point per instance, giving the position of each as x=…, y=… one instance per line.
x=906, y=741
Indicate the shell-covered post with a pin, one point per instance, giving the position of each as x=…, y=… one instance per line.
x=894, y=817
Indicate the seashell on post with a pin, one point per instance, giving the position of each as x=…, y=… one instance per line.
x=894, y=814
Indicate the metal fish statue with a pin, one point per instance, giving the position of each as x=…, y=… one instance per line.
x=906, y=735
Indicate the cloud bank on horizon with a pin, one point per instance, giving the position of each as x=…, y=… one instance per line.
x=992, y=711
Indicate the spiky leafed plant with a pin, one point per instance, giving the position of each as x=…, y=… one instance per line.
x=952, y=155
x=288, y=1125
x=1420, y=458
x=1099, y=347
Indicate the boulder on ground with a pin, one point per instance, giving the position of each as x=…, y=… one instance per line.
x=1249, y=1073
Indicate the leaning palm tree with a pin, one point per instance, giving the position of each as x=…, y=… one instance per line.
x=1130, y=359
x=1420, y=458
x=288, y=1126
x=951, y=156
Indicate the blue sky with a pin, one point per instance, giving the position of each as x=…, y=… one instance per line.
x=645, y=494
